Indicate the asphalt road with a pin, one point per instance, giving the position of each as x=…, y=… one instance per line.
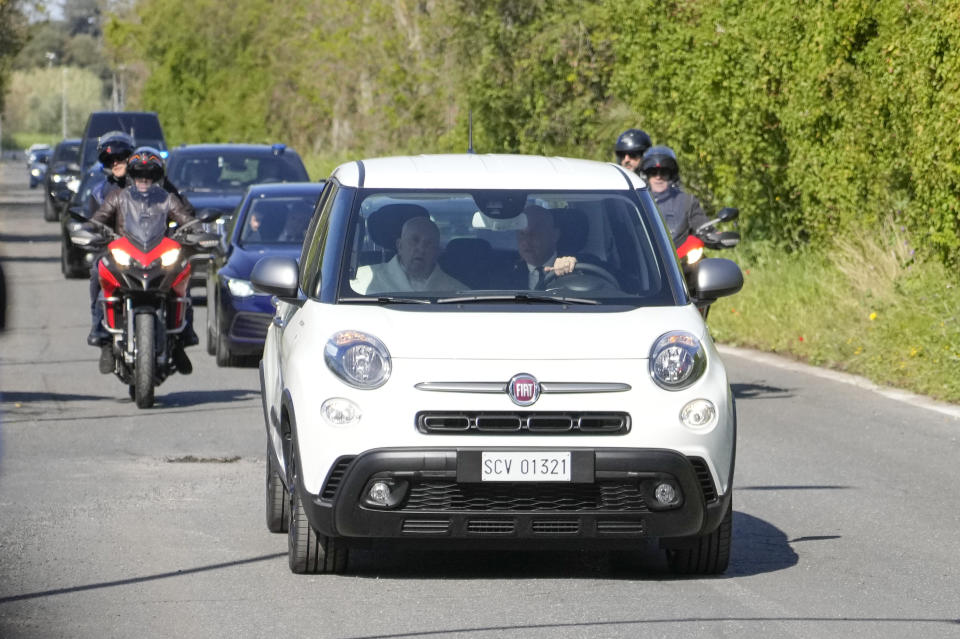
x=119, y=522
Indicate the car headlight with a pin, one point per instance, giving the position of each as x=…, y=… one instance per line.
x=73, y=184
x=169, y=258
x=57, y=178
x=694, y=255
x=121, y=257
x=238, y=287
x=360, y=360
x=677, y=360
x=35, y=172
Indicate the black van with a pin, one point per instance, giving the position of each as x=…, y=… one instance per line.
x=143, y=127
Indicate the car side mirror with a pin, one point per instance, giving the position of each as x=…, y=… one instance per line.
x=715, y=277
x=278, y=276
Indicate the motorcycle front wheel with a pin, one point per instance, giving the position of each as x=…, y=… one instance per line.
x=145, y=325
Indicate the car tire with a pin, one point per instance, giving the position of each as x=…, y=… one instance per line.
x=277, y=499
x=211, y=323
x=307, y=552
x=224, y=356
x=707, y=554
x=50, y=213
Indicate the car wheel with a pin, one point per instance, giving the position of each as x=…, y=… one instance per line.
x=224, y=356
x=277, y=500
x=211, y=323
x=50, y=213
x=308, y=552
x=705, y=555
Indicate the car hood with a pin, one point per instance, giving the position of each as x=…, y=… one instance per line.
x=243, y=258
x=518, y=335
x=225, y=202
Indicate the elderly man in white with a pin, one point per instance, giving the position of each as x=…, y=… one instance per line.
x=413, y=268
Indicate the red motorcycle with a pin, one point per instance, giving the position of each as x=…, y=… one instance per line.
x=144, y=277
x=690, y=252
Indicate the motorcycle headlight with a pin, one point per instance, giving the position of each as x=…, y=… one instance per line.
x=360, y=360
x=35, y=172
x=239, y=288
x=121, y=257
x=169, y=258
x=677, y=360
x=694, y=255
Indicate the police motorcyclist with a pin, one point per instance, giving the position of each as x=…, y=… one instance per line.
x=630, y=148
x=144, y=194
x=681, y=210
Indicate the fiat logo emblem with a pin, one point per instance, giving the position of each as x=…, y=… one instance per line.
x=523, y=389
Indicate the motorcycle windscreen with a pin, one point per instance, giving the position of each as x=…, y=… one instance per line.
x=145, y=223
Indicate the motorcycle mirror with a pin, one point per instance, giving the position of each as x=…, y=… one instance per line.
x=728, y=213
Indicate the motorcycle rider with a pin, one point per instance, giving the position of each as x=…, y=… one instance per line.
x=681, y=210
x=630, y=148
x=113, y=150
x=144, y=195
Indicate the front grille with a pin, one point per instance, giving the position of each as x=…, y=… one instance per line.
x=490, y=526
x=704, y=479
x=615, y=527
x=555, y=526
x=335, y=478
x=524, y=423
x=439, y=495
x=425, y=526
x=250, y=326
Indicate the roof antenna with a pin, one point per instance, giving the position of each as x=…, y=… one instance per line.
x=470, y=120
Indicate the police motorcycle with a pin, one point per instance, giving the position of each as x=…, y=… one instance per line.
x=144, y=277
x=706, y=236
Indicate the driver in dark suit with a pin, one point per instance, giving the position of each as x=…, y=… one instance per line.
x=537, y=245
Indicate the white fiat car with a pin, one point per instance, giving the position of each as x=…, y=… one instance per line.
x=496, y=350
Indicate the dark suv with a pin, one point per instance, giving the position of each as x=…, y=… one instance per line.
x=143, y=127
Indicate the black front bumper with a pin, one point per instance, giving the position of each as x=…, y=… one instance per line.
x=610, y=498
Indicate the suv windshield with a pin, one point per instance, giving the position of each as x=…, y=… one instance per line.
x=278, y=220
x=218, y=171
x=501, y=246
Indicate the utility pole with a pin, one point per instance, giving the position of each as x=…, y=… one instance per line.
x=63, y=101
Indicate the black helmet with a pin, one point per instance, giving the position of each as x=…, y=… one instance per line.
x=661, y=157
x=632, y=141
x=146, y=162
x=113, y=146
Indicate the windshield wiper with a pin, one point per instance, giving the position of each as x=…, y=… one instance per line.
x=384, y=299
x=517, y=297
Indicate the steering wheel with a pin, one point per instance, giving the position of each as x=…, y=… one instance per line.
x=583, y=268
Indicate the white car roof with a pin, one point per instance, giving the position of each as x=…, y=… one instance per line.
x=474, y=171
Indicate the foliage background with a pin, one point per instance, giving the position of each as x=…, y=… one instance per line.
x=834, y=125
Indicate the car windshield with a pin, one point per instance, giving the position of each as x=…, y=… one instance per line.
x=278, y=220
x=502, y=246
x=232, y=170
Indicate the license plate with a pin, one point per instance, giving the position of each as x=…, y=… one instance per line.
x=517, y=466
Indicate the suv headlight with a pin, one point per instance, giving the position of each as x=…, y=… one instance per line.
x=677, y=360
x=360, y=360
x=239, y=287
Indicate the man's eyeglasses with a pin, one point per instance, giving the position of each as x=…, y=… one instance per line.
x=631, y=154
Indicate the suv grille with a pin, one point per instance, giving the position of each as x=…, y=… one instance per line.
x=430, y=495
x=523, y=423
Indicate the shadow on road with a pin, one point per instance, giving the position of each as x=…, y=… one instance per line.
x=25, y=397
x=43, y=237
x=200, y=397
x=28, y=258
x=759, y=391
x=138, y=580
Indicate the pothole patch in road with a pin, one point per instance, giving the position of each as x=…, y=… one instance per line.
x=192, y=459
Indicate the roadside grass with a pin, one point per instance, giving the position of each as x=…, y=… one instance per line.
x=23, y=141
x=867, y=307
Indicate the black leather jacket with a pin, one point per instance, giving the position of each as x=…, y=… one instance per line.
x=128, y=205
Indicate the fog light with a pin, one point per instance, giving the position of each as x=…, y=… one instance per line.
x=379, y=493
x=666, y=494
x=338, y=411
x=699, y=413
